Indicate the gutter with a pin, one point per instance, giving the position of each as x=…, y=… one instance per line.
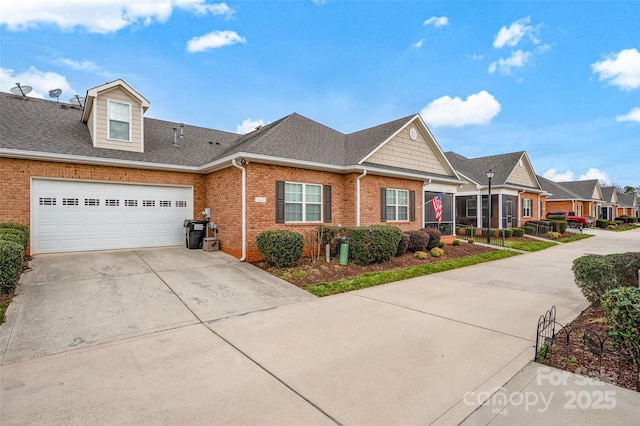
x=364, y=173
x=244, y=206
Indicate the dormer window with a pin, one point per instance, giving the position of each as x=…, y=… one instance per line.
x=119, y=125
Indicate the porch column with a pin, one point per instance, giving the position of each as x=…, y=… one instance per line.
x=479, y=211
x=499, y=210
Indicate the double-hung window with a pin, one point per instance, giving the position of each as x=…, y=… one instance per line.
x=302, y=202
x=119, y=121
x=526, y=207
x=397, y=204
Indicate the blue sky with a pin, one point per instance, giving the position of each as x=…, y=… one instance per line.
x=560, y=80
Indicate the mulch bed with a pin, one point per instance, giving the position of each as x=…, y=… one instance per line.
x=590, y=352
x=307, y=272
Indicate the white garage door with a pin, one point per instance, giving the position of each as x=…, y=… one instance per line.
x=76, y=216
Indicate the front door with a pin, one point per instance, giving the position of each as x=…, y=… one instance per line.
x=509, y=213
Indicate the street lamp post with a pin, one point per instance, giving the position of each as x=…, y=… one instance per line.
x=489, y=175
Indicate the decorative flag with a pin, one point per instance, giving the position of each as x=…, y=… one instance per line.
x=436, y=202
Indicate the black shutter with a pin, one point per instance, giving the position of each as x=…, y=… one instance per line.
x=327, y=203
x=383, y=204
x=279, y=201
x=412, y=206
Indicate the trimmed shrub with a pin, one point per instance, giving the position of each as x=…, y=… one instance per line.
x=518, y=232
x=553, y=235
x=602, y=223
x=595, y=274
x=558, y=223
x=623, y=219
x=622, y=312
x=374, y=244
x=418, y=241
x=493, y=232
x=11, y=261
x=403, y=245
x=18, y=226
x=332, y=235
x=508, y=233
x=15, y=235
x=434, y=237
x=420, y=254
x=469, y=231
x=437, y=252
x=457, y=243
x=282, y=248
x=441, y=244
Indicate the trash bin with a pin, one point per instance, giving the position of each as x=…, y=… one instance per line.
x=194, y=233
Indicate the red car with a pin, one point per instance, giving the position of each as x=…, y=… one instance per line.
x=574, y=221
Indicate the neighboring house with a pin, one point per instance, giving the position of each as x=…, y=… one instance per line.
x=611, y=204
x=516, y=194
x=583, y=197
x=628, y=205
x=103, y=176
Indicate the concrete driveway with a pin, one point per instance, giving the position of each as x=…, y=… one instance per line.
x=403, y=353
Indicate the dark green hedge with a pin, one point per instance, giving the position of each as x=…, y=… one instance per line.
x=15, y=235
x=595, y=274
x=434, y=237
x=418, y=240
x=282, y=248
x=374, y=244
x=518, y=232
x=622, y=312
x=11, y=261
x=403, y=245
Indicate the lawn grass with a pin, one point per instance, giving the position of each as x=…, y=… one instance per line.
x=575, y=237
x=529, y=245
x=376, y=278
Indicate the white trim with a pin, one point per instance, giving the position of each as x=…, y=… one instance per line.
x=244, y=208
x=364, y=173
x=396, y=205
x=303, y=202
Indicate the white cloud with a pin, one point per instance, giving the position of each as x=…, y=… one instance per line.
x=518, y=59
x=99, y=16
x=634, y=115
x=596, y=174
x=214, y=40
x=477, y=57
x=248, y=125
x=418, y=44
x=40, y=81
x=553, y=175
x=479, y=109
x=513, y=34
x=437, y=21
x=622, y=69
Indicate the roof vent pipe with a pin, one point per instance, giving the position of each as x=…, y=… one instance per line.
x=181, y=130
x=175, y=138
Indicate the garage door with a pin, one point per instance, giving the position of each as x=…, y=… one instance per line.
x=76, y=216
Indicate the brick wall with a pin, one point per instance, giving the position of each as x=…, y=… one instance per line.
x=16, y=182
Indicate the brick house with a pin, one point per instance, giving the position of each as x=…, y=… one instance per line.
x=583, y=197
x=516, y=194
x=101, y=175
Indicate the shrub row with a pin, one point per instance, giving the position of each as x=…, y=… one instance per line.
x=14, y=240
x=622, y=312
x=595, y=274
x=283, y=248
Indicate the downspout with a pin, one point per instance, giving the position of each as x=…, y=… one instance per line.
x=244, y=209
x=364, y=173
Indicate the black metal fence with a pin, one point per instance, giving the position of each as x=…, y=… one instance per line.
x=584, y=351
x=472, y=234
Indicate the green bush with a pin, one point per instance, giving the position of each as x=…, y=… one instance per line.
x=11, y=261
x=418, y=241
x=622, y=219
x=15, y=235
x=517, y=232
x=420, y=254
x=282, y=248
x=507, y=233
x=492, y=232
x=602, y=223
x=374, y=244
x=622, y=312
x=332, y=235
x=529, y=230
x=441, y=244
x=437, y=252
x=469, y=231
x=558, y=223
x=434, y=237
x=403, y=245
x=457, y=243
x=18, y=226
x=595, y=274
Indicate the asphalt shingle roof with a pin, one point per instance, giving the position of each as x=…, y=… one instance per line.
x=558, y=192
x=41, y=125
x=584, y=188
x=47, y=126
x=476, y=168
